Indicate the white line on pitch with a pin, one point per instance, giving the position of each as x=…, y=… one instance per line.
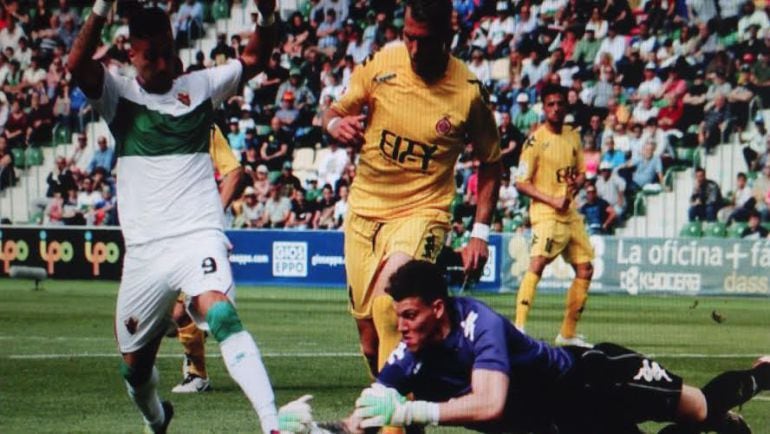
x=311, y=355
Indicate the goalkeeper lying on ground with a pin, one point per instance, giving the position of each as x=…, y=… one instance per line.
x=466, y=365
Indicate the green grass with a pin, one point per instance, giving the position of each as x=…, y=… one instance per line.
x=75, y=385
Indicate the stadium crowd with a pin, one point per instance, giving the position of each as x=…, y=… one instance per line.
x=646, y=80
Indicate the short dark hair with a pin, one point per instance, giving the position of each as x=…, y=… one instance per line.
x=741, y=175
x=417, y=278
x=552, y=89
x=436, y=13
x=146, y=23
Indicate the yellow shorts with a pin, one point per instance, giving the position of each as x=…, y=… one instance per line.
x=570, y=239
x=369, y=243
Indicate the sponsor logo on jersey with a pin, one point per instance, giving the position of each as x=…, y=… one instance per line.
x=407, y=153
x=565, y=173
x=383, y=78
x=184, y=98
x=131, y=324
x=469, y=325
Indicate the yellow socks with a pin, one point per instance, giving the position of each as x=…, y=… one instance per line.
x=525, y=298
x=576, y=300
x=386, y=324
x=193, y=341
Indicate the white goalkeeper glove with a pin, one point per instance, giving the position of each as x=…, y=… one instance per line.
x=296, y=416
x=384, y=406
x=103, y=7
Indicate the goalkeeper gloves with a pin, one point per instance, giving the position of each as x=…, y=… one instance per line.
x=296, y=416
x=384, y=406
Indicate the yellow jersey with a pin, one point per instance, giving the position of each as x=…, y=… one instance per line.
x=221, y=155
x=547, y=161
x=414, y=134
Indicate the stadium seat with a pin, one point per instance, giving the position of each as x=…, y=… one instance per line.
x=304, y=158
x=686, y=157
x=263, y=130
x=18, y=158
x=208, y=13
x=34, y=156
x=319, y=155
x=715, y=230
x=220, y=10
x=736, y=229
x=691, y=230
x=62, y=135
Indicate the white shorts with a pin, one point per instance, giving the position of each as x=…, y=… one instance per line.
x=153, y=275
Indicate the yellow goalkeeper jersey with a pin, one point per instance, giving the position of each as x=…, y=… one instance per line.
x=414, y=134
x=547, y=161
x=221, y=155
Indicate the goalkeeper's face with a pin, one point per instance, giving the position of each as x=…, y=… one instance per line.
x=420, y=323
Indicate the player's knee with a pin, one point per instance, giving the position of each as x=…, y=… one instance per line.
x=584, y=271
x=223, y=320
x=135, y=376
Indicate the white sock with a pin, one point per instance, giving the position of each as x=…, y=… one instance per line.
x=244, y=363
x=146, y=398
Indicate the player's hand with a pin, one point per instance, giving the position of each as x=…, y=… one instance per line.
x=380, y=406
x=561, y=204
x=296, y=416
x=475, y=256
x=349, y=130
x=266, y=7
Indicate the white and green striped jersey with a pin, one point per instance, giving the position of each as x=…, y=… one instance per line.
x=165, y=178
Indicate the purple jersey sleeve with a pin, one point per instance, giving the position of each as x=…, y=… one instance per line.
x=396, y=371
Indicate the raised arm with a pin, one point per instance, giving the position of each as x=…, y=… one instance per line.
x=261, y=42
x=87, y=72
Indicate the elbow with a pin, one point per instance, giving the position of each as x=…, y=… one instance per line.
x=492, y=411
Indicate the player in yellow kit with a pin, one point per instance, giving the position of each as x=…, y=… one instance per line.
x=551, y=171
x=195, y=379
x=420, y=106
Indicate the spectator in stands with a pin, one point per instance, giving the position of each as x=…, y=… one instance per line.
x=71, y=214
x=327, y=33
x=199, y=64
x=479, y=65
x=719, y=86
x=11, y=34
x=269, y=82
x=250, y=157
x=33, y=74
x=526, y=117
x=301, y=211
x=706, y=198
x=592, y=156
x=613, y=44
x=298, y=33
x=106, y=210
x=651, y=84
x=303, y=97
x=87, y=199
x=277, y=208
x=77, y=160
x=647, y=170
x=511, y=139
x=743, y=202
x=762, y=191
x=612, y=156
x=755, y=160
x=587, y=48
x=236, y=138
x=508, y=198
x=313, y=193
x=54, y=210
x=103, y=157
x=275, y=147
x=16, y=126
x=716, y=122
x=60, y=179
x=333, y=87
x=252, y=211
x=188, y=23
x=599, y=214
x=760, y=76
x=645, y=110
x=221, y=51
x=341, y=206
x=332, y=164
x=694, y=101
x=40, y=120
x=611, y=187
x=79, y=109
x=7, y=172
x=261, y=183
x=287, y=178
x=288, y=113
x=67, y=31
x=754, y=230
x=324, y=214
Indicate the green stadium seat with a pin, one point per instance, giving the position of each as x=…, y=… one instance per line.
x=691, y=230
x=263, y=130
x=687, y=157
x=715, y=230
x=36, y=218
x=220, y=10
x=18, y=158
x=766, y=225
x=34, y=156
x=752, y=175
x=735, y=229
x=208, y=13
x=62, y=135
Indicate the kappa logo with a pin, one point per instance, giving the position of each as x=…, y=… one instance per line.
x=650, y=372
x=397, y=354
x=469, y=325
x=131, y=324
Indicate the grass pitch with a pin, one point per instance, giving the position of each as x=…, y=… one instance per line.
x=59, y=363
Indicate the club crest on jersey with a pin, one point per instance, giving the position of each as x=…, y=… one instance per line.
x=184, y=98
x=443, y=126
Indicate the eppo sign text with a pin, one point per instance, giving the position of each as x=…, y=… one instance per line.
x=289, y=259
